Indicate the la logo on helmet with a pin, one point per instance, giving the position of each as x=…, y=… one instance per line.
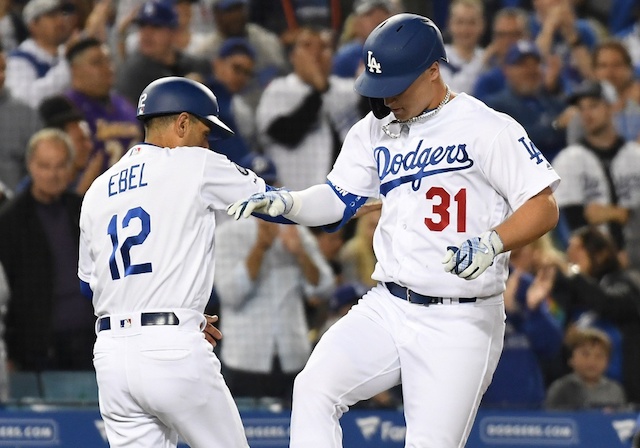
x=372, y=63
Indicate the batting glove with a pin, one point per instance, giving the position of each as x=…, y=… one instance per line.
x=473, y=256
x=273, y=203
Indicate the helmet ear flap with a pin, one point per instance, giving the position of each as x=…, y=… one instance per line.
x=378, y=108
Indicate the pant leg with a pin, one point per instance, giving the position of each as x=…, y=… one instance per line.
x=446, y=367
x=354, y=360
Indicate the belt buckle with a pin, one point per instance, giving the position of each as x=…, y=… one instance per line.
x=408, y=295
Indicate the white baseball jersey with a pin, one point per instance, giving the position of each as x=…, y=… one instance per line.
x=145, y=216
x=446, y=179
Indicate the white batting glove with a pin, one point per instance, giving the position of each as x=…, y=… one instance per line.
x=473, y=256
x=272, y=203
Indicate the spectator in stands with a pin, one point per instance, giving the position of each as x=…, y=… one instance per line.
x=233, y=69
x=232, y=20
x=111, y=116
x=527, y=100
x=59, y=112
x=12, y=28
x=356, y=256
x=466, y=57
x=37, y=68
x=601, y=293
x=264, y=272
x=303, y=117
x=600, y=183
x=509, y=26
x=587, y=387
x=50, y=325
x=533, y=336
x=157, y=55
x=367, y=14
x=557, y=31
x=612, y=64
x=18, y=122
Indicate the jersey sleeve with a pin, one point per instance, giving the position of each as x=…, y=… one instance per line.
x=626, y=176
x=515, y=167
x=224, y=182
x=85, y=264
x=355, y=169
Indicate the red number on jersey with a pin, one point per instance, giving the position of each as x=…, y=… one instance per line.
x=442, y=209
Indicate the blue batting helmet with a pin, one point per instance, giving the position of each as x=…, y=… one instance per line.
x=396, y=52
x=173, y=95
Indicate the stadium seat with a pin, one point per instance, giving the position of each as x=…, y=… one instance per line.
x=73, y=387
x=24, y=387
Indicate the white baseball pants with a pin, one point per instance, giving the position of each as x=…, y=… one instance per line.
x=444, y=355
x=156, y=382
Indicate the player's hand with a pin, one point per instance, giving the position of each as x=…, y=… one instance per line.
x=211, y=332
x=272, y=203
x=473, y=256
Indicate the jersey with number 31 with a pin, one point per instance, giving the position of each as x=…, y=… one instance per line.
x=448, y=178
x=147, y=227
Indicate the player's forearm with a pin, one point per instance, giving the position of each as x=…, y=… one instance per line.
x=309, y=269
x=533, y=219
x=316, y=206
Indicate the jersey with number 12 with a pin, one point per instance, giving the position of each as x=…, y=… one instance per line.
x=147, y=227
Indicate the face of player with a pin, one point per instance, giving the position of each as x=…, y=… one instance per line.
x=506, y=32
x=234, y=71
x=155, y=42
x=577, y=254
x=81, y=137
x=610, y=66
x=524, y=77
x=197, y=134
x=595, y=114
x=466, y=24
x=49, y=168
x=589, y=362
x=93, y=73
x=419, y=96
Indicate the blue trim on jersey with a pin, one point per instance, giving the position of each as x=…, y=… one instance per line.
x=277, y=219
x=85, y=289
x=352, y=203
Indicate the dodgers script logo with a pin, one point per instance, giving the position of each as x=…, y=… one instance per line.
x=428, y=161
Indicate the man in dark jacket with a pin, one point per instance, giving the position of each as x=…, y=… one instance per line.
x=49, y=323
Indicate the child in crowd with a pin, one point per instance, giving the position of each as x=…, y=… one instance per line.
x=587, y=387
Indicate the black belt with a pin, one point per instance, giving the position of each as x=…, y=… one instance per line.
x=146, y=319
x=414, y=297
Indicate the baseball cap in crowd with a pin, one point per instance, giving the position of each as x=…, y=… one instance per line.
x=347, y=294
x=262, y=165
x=38, y=8
x=520, y=50
x=236, y=45
x=228, y=4
x=56, y=111
x=157, y=13
x=601, y=90
x=361, y=7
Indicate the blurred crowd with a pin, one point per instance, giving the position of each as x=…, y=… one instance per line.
x=71, y=72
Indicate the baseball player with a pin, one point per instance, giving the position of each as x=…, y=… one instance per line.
x=461, y=185
x=146, y=258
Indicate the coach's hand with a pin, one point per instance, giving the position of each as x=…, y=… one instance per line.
x=272, y=203
x=211, y=332
x=473, y=256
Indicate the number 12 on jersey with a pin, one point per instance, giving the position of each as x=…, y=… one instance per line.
x=128, y=243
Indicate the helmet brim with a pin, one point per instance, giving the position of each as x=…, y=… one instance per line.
x=373, y=86
x=219, y=130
